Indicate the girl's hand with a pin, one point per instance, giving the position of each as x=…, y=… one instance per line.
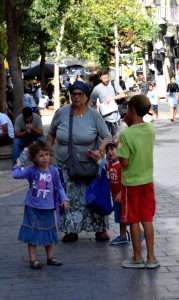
x=65, y=205
x=18, y=163
x=118, y=198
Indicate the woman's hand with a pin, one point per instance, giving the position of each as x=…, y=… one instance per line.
x=94, y=154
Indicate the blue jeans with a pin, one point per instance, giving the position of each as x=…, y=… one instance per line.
x=113, y=127
x=20, y=143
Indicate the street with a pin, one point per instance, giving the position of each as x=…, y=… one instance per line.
x=92, y=270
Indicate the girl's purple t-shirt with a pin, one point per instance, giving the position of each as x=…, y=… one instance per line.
x=41, y=190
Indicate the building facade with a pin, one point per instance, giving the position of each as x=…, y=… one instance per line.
x=165, y=51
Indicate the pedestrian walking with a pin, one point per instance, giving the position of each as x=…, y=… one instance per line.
x=143, y=87
x=172, y=97
x=131, y=83
x=107, y=92
x=122, y=83
x=135, y=151
x=154, y=100
x=38, y=228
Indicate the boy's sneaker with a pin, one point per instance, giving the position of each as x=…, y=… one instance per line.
x=120, y=240
x=134, y=264
x=152, y=264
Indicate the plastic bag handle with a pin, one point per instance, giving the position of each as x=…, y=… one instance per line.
x=101, y=167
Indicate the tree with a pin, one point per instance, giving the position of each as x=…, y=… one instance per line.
x=50, y=17
x=85, y=28
x=3, y=51
x=16, y=11
x=92, y=28
x=3, y=105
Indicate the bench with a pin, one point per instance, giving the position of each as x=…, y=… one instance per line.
x=6, y=162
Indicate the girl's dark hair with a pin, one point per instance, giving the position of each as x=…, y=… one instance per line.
x=35, y=147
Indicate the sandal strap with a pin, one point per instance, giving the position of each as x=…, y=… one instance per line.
x=36, y=264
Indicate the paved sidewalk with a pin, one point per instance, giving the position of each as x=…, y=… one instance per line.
x=92, y=270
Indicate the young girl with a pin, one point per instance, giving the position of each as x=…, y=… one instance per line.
x=154, y=100
x=38, y=228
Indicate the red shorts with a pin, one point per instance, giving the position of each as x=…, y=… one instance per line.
x=138, y=203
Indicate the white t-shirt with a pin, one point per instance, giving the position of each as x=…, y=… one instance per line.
x=4, y=119
x=153, y=97
x=103, y=92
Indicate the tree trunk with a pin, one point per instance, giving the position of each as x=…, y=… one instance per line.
x=42, y=62
x=3, y=103
x=15, y=15
x=56, y=67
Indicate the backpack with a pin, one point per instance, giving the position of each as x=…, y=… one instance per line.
x=122, y=103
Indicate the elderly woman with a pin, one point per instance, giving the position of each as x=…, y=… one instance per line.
x=89, y=131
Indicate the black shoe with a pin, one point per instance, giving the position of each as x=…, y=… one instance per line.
x=53, y=262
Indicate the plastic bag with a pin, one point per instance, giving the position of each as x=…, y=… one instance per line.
x=98, y=194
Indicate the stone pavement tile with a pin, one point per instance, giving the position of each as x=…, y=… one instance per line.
x=8, y=185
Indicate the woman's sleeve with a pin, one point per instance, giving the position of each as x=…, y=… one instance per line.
x=55, y=122
x=168, y=88
x=102, y=128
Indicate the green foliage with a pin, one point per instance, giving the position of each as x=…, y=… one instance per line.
x=3, y=39
x=91, y=31
x=89, y=27
x=44, y=16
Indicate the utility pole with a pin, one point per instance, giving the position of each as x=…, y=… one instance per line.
x=116, y=52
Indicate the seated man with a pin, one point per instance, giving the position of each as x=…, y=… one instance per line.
x=28, y=128
x=6, y=130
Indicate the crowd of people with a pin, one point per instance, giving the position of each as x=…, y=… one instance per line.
x=94, y=137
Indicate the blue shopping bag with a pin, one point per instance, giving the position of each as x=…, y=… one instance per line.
x=98, y=194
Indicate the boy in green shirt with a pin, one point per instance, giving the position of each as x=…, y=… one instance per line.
x=135, y=151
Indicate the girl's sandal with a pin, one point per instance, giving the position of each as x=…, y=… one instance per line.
x=36, y=264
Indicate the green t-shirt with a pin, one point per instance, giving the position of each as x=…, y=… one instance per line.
x=136, y=144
